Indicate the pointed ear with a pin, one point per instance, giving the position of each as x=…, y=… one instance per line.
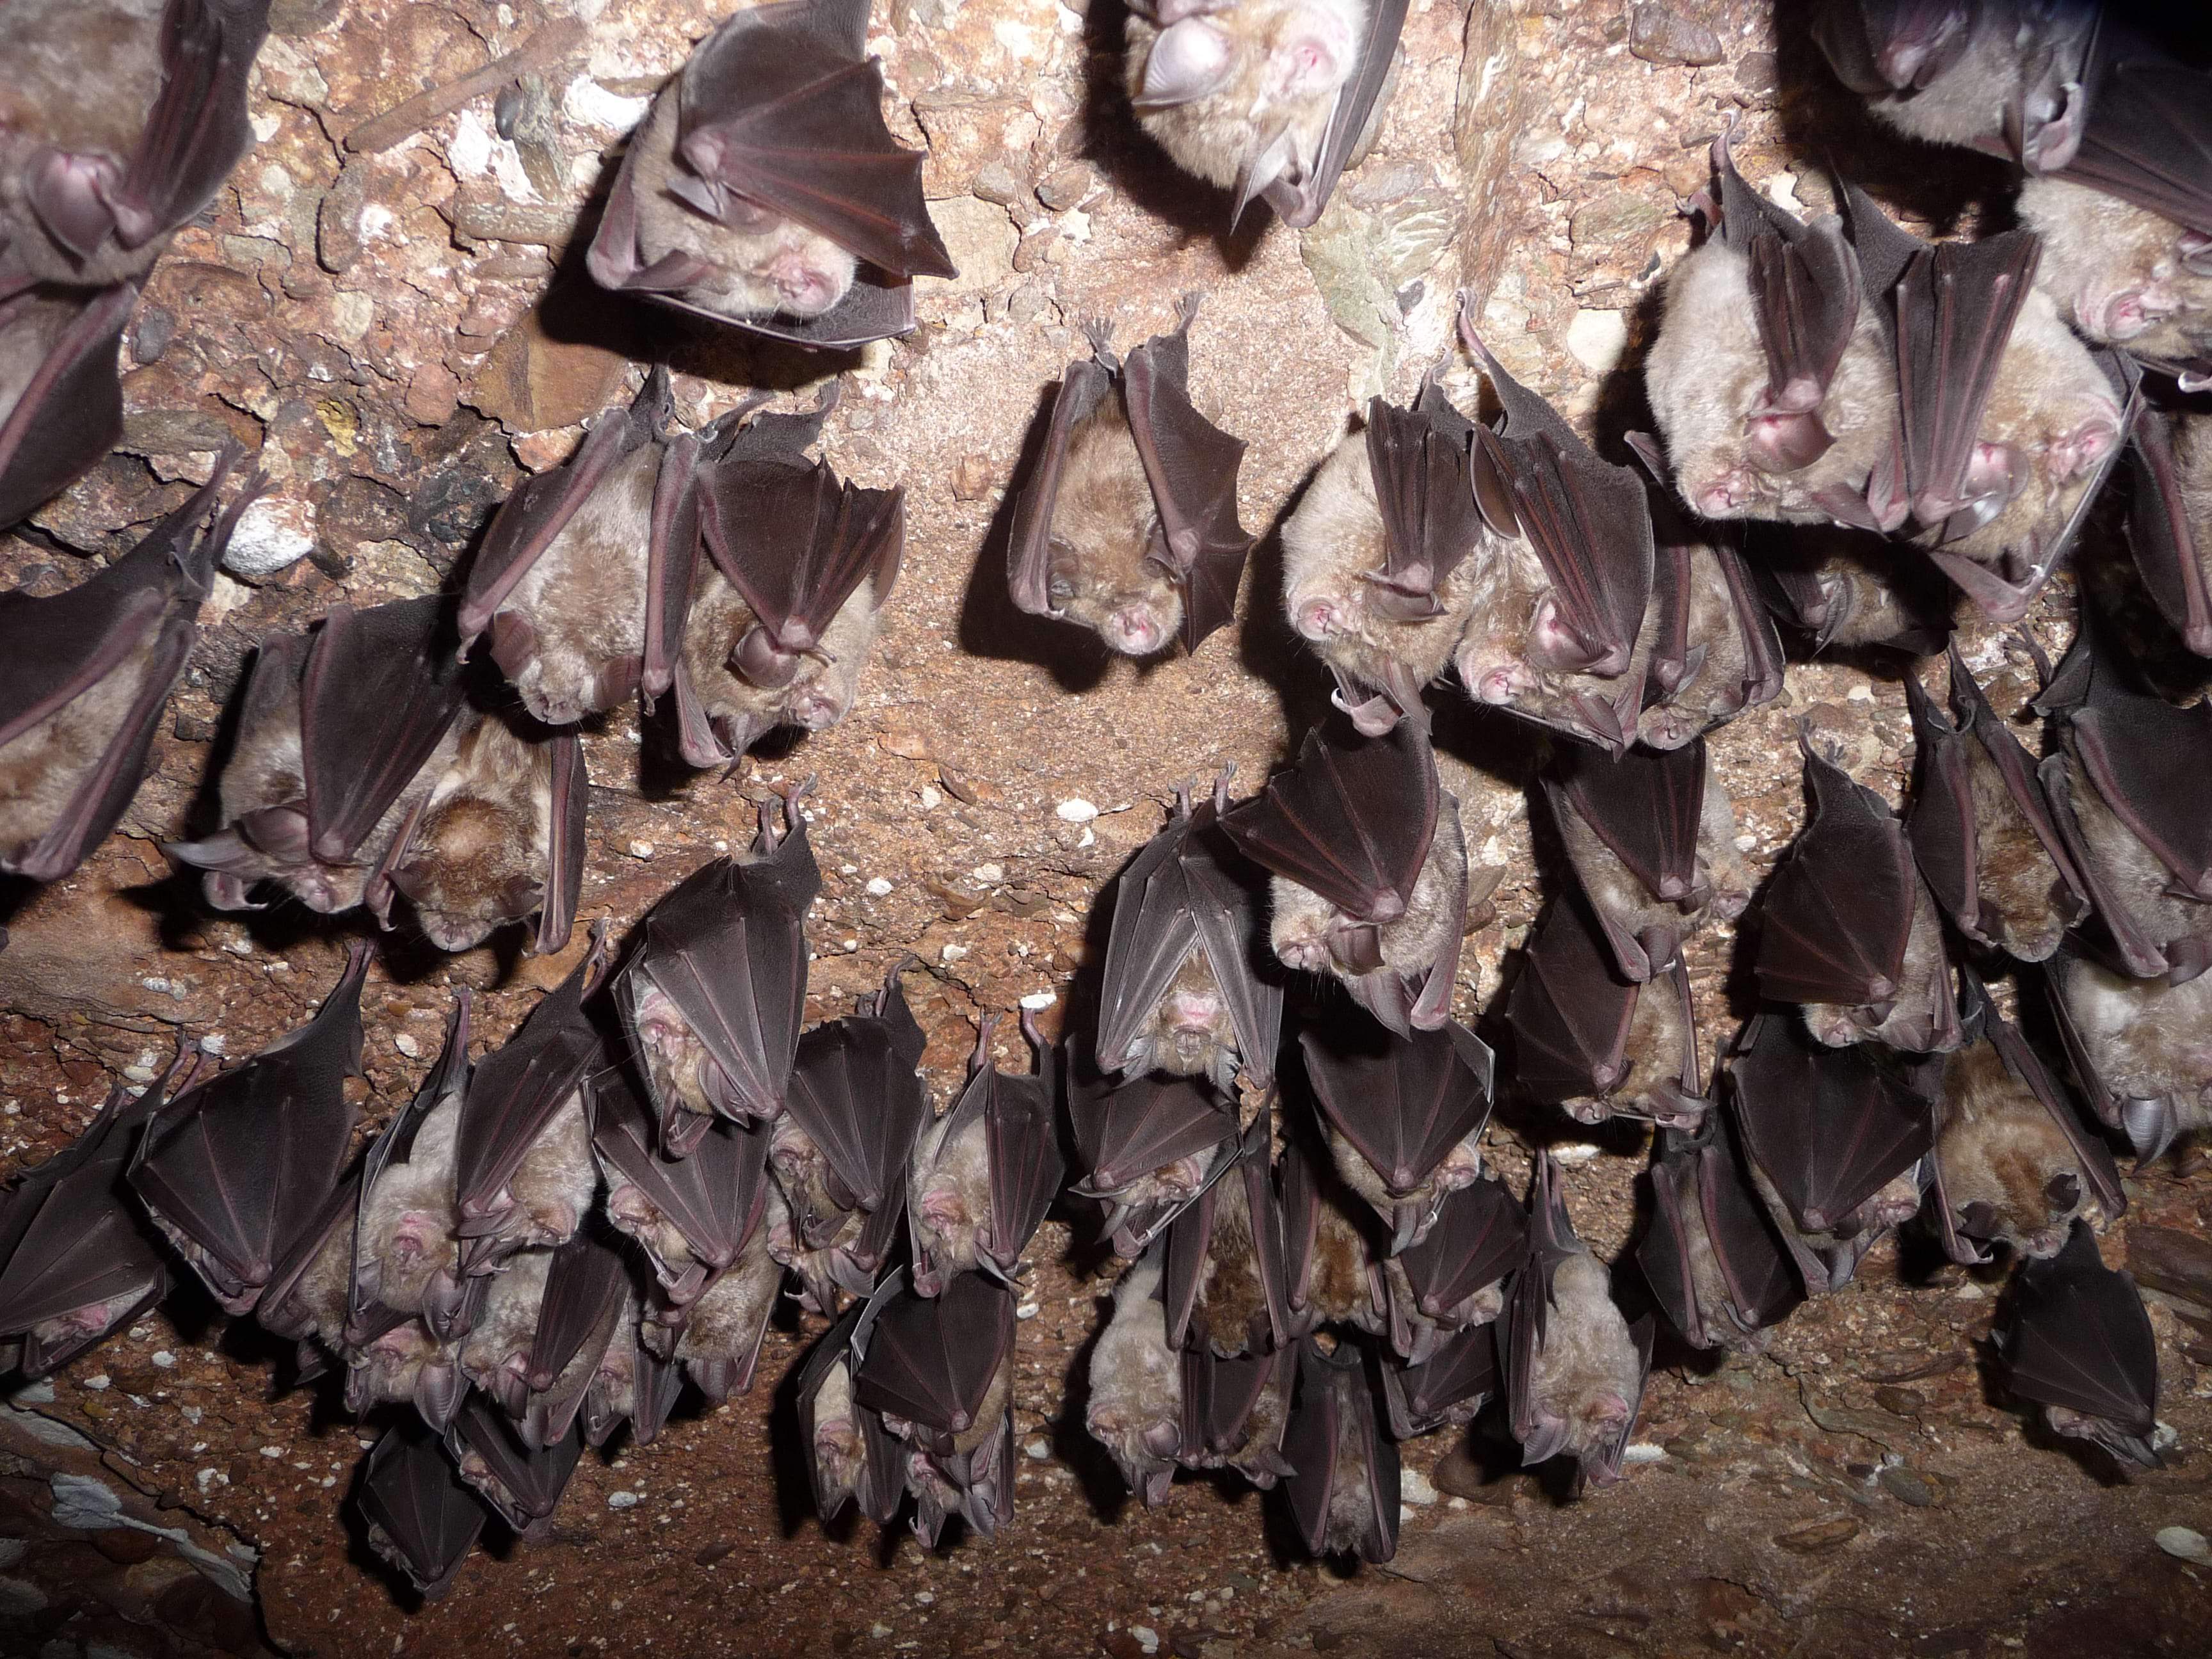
x=1187, y=62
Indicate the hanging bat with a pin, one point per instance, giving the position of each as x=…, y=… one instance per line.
x=61, y=400
x=310, y=1291
x=1597, y=1045
x=1331, y=1239
x=587, y=1293
x=237, y=1167
x=88, y=673
x=716, y=991
x=719, y=1343
x=1557, y=632
x=2170, y=519
x=1834, y=1139
x=1222, y=1276
x=1235, y=1412
x=984, y=1173
x=1181, y=993
x=340, y=741
x=1273, y=100
x=693, y=1215
x=582, y=579
x=1405, y=1114
x=763, y=189
x=406, y=1363
x=1712, y=1255
x=116, y=129
x=2079, y=1344
x=1837, y=586
x=1652, y=840
x=1149, y=1145
x=1380, y=560
x=1447, y=1390
x=1453, y=1277
x=1575, y=1369
x=1981, y=830
x=632, y=1384
x=420, y=1516
x=851, y=1456
x=523, y=1174
x=2013, y=1163
x=405, y=1248
x=1848, y=929
x=1343, y=1484
x=2140, y=1048
x=1135, y=1408
x=1370, y=876
x=939, y=1371
x=1773, y=382
x=522, y=1483
x=494, y=1353
x=789, y=599
x=1713, y=652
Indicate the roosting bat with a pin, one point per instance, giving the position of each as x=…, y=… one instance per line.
x=1181, y=992
x=1370, y=877
x=1837, y=586
x=310, y=1291
x=1331, y=1240
x=1223, y=1288
x=2138, y=1048
x=236, y=1169
x=1405, y=1114
x=1574, y=1368
x=1136, y=1405
x=1129, y=525
x=632, y=1384
x=88, y=674
x=690, y=1215
x=1235, y=1412
x=1713, y=1256
x=495, y=1354
x=2013, y=1165
x=1447, y=1390
x=340, y=741
x=407, y=1363
x=1343, y=1484
x=764, y=189
x=587, y=1293
x=721, y=1336
x=1652, y=839
x=1981, y=830
x=787, y=605
x=2079, y=1344
x=116, y=129
x=61, y=400
x=940, y=1371
x=716, y=991
x=1453, y=1277
x=1380, y=560
x=1834, y=1138
x=523, y=1483
x=1268, y=98
x=985, y=1173
x=851, y=1456
x=420, y=1516
x=2170, y=520
x=1712, y=651
x=1848, y=929
x=1149, y=1145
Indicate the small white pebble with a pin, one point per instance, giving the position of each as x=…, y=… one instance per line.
x=162, y=1357
x=989, y=874
x=929, y=797
x=641, y=849
x=1456, y=1504
x=98, y=1381
x=1746, y=843
x=879, y=1632
x=1644, y=1452
x=848, y=869
x=851, y=945
x=272, y=1451
x=215, y=1043
x=1574, y=1151
x=1027, y=1310
x=720, y=846
x=924, y=1598
x=622, y=1500
x=955, y=953
x=1038, y=1001
x=1077, y=811
x=1089, y=837
x=1147, y=1637
x=2186, y=1544
x=1859, y=694
x=407, y=1046
x=206, y=1478
x=1967, y=1293
x=1037, y=1450
x=1414, y=1487
x=139, y=1074
x=879, y=887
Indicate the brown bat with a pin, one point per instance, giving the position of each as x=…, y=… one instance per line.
x=854, y=1458
x=61, y=400
x=406, y=1248
x=1446, y=1391
x=523, y=1483
x=88, y=674
x=1129, y=525
x=1713, y=1256
x=1269, y=98
x=1454, y=1278
x=1713, y=650
x=764, y=189
x=1135, y=1408
x=692, y=1216
x=2140, y=1048
x=719, y=1342
x=2170, y=519
x=984, y=1175
x=1344, y=1479
x=119, y=121
x=495, y=1354
x=420, y=1516
x=1834, y=585
x=1223, y=1288
x=2079, y=1344
x=1150, y=1146
x=1236, y=1411
x=407, y=1364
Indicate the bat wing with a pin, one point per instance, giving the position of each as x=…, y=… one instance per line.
x=1604, y=1466
x=1300, y=204
x=1222, y=891
x=1182, y=1269
x=859, y=1099
x=1569, y=1010
x=1151, y=935
x=1956, y=306
x=1941, y=823
x=1021, y=1137
x=1664, y=1251
x=1838, y=910
x=1480, y=1234
x=281, y=1311
x=930, y=1359
x=2089, y=1150
x=2138, y=752
x=421, y=1516
x=2014, y=765
x=1029, y=550
x=1352, y=821
x=1762, y=644
x=1645, y=805
x=715, y=1195
x=1132, y=1130
x=1461, y=1374
x=525, y=1482
x=1312, y=1445
x=448, y=1075
x=70, y=412
x=1402, y=1103
x=1755, y=1265
x=2079, y=1339
x=832, y=1353
x=672, y=565
x=796, y=543
x=2148, y=141
x=564, y=850
x=1429, y=522
x=2163, y=535
x=586, y=1291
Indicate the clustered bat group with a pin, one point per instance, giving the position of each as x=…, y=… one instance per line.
x=557, y=1238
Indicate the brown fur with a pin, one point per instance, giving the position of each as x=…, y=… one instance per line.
x=2135, y=878
x=42, y=769
x=1234, y=1300
x=481, y=857
x=949, y=1192
x=1719, y=886
x=1510, y=593
x=1997, y=1145
x=1586, y=1373
x=817, y=699
x=1136, y=1409
x=2147, y=1039
x=2115, y=272
x=1104, y=526
x=1302, y=919
x=1658, y=1038
x=727, y=1319
x=2017, y=880
x=1190, y=1032
x=407, y=1219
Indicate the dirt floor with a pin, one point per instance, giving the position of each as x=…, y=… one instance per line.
x=405, y=334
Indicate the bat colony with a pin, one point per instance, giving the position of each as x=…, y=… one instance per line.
x=560, y=1236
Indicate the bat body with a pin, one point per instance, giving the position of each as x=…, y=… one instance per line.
x=736, y=711
x=763, y=183
x=1713, y=1256
x=692, y=1214
x=1842, y=586
x=409, y=1250
x=523, y=1483
x=2123, y=275
x=1454, y=1278
x=421, y=1517
x=1446, y=1391
x=2170, y=520
x=721, y=1333
x=1713, y=650
x=61, y=400
x=984, y=1173
x=2079, y=1344
x=1151, y=1145
x=1235, y=1412
x=1330, y=1244
x=2141, y=1049
x=495, y=1355
x=407, y=1364
x=852, y=1456
x=1344, y=1480
x=1135, y=1408
x=939, y=1369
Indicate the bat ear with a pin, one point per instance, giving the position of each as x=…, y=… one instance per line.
x=1189, y=61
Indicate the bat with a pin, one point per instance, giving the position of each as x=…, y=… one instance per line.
x=1149, y=1145
x=1380, y=560
x=115, y=129
x=1181, y=992
x=237, y=1167
x=1848, y=929
x=1128, y=525
x=1370, y=878
x=1453, y=1277
x=587, y=1294
x=522, y=1483
x=851, y=1456
x=1982, y=833
x=420, y=1516
x=523, y=1174
x=1447, y=1390
x=1222, y=1276
x=1713, y=650
x=1404, y=1115
x=1712, y=1255
x=1235, y=1412
x=984, y=1175
x=1556, y=630
x=2079, y=1344
x=939, y=1371
x=1135, y=1407
x=1836, y=585
x=340, y=741
x=632, y=1384
x=1575, y=1369
x=494, y=1353
x=763, y=189
x=406, y=1248
x=89, y=671
x=692, y=1216
x=61, y=400
x=310, y=1293
x=586, y=566
x=1773, y=381
x=1272, y=100
x=1343, y=1484
x=2013, y=1163
x=406, y=1363
x=1652, y=836
x=2170, y=519
x=1331, y=1239
x=1834, y=1139
x=719, y=1342
x=1595, y=1045
x=714, y=993
x=789, y=599
x=2137, y=1048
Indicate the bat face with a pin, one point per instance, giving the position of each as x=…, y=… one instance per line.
x=408, y=1237
x=1390, y=964
x=2120, y=273
x=739, y=711
x=949, y=1196
x=1107, y=569
x=2079, y=1344
x=2010, y=1173
x=1921, y=1016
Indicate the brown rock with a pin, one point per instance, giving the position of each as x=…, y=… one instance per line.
x=432, y=395
x=974, y=477
x=1065, y=186
x=2176, y=1263
x=1660, y=34
x=533, y=382
x=1820, y=1538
